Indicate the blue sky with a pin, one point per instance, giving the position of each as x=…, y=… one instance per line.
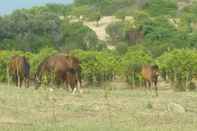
x=7, y=6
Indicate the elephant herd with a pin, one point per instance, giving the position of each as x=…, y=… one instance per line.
x=64, y=69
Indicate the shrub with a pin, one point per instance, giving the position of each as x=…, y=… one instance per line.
x=97, y=66
x=131, y=65
x=5, y=56
x=116, y=31
x=180, y=65
x=121, y=48
x=34, y=60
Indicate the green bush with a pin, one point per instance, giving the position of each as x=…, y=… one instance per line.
x=132, y=62
x=37, y=30
x=161, y=7
x=122, y=48
x=180, y=65
x=5, y=56
x=37, y=58
x=97, y=66
x=116, y=31
x=33, y=59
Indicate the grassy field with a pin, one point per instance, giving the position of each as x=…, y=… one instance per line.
x=97, y=109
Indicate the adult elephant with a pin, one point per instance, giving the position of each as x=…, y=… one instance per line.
x=19, y=69
x=61, y=69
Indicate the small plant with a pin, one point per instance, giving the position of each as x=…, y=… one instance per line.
x=149, y=105
x=192, y=86
x=179, y=86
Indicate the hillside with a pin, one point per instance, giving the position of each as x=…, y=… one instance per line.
x=162, y=24
x=100, y=29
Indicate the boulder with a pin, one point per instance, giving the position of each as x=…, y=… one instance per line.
x=173, y=107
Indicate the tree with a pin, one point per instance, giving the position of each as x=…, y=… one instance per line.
x=116, y=31
x=180, y=65
x=98, y=66
x=161, y=7
x=80, y=11
x=120, y=15
x=24, y=30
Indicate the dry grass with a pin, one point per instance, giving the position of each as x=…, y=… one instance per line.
x=98, y=109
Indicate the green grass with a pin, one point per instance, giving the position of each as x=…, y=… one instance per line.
x=96, y=109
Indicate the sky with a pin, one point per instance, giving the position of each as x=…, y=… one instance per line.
x=7, y=6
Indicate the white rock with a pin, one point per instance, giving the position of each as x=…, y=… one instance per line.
x=51, y=89
x=173, y=107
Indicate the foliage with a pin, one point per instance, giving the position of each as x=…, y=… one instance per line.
x=5, y=56
x=120, y=15
x=29, y=31
x=189, y=12
x=48, y=26
x=160, y=32
x=80, y=10
x=180, y=64
x=76, y=36
x=37, y=58
x=97, y=66
x=156, y=48
x=131, y=64
x=34, y=60
x=94, y=16
x=59, y=9
x=161, y=7
x=158, y=29
x=116, y=31
x=122, y=48
x=169, y=35
x=97, y=5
